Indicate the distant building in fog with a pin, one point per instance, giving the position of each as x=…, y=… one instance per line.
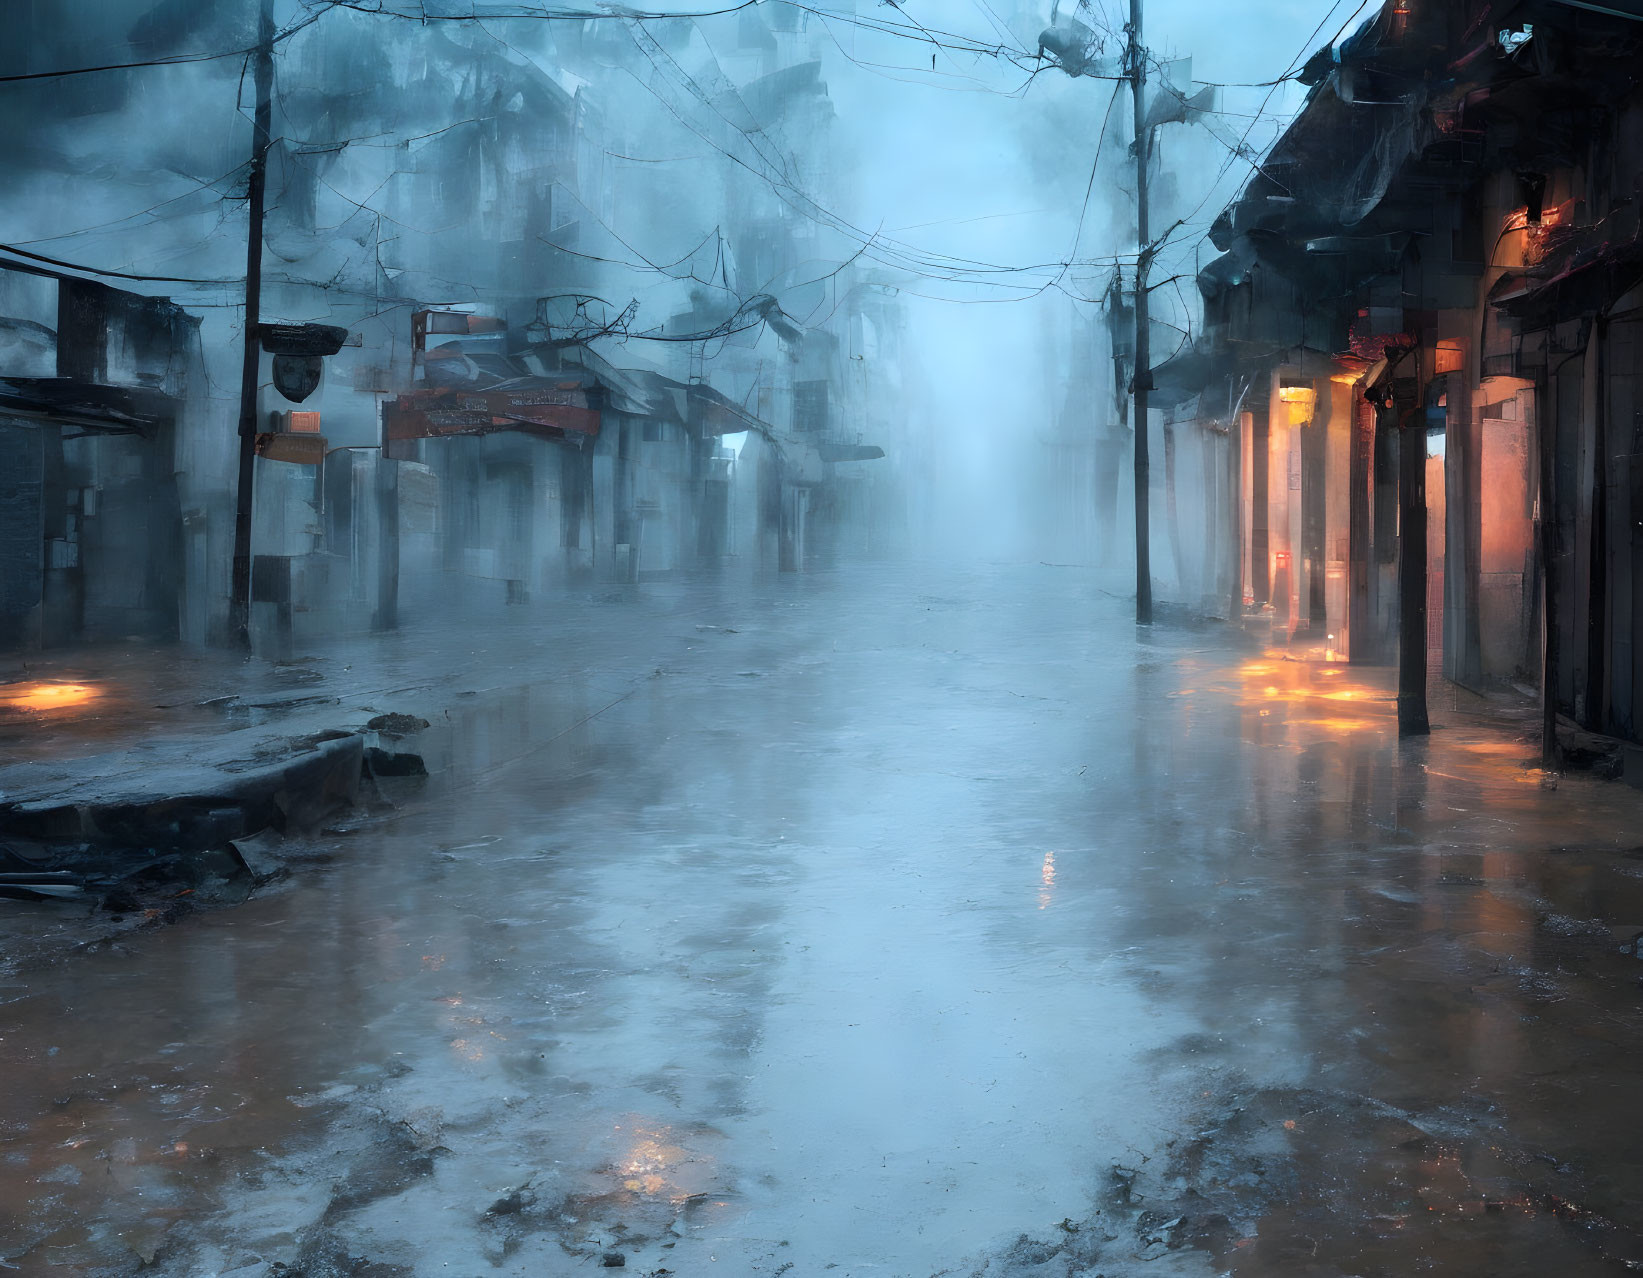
x=565, y=409
x=99, y=408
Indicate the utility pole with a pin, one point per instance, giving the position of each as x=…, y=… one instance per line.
x=256, y=190
x=1136, y=57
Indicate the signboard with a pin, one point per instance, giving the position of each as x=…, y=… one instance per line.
x=304, y=450
x=302, y=339
x=832, y=452
x=552, y=410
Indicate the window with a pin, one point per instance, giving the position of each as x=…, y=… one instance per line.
x=810, y=406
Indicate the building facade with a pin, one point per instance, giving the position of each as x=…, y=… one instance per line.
x=1420, y=341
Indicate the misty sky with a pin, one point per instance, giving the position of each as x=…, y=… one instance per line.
x=999, y=178
x=974, y=159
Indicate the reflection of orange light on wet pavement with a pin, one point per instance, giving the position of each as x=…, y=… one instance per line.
x=655, y=1164
x=1342, y=726
x=42, y=697
x=1311, y=696
x=1514, y=750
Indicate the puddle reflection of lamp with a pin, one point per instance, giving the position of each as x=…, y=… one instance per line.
x=47, y=696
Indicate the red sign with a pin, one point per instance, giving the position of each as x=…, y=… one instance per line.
x=552, y=410
x=1374, y=330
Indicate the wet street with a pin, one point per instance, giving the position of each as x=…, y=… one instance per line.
x=898, y=922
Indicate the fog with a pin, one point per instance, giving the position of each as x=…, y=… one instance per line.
x=862, y=225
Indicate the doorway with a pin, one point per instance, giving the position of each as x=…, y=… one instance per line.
x=1436, y=540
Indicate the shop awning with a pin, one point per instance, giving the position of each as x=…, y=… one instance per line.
x=117, y=410
x=715, y=414
x=552, y=411
x=555, y=393
x=645, y=392
x=833, y=452
x=1589, y=282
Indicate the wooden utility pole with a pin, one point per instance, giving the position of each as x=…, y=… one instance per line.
x=255, y=191
x=1143, y=353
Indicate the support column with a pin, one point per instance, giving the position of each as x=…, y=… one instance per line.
x=387, y=485
x=1597, y=599
x=1411, y=419
x=1463, y=534
x=1359, y=551
x=1280, y=545
x=1546, y=423
x=1241, y=463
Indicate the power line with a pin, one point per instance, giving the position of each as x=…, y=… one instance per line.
x=1241, y=150
x=951, y=41
x=118, y=275
x=180, y=59
x=892, y=253
x=1095, y=163
x=888, y=252
x=103, y=226
x=918, y=75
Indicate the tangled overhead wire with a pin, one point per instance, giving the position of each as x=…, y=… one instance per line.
x=737, y=137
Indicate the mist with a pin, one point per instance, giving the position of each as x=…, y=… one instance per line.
x=691, y=175
x=880, y=639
